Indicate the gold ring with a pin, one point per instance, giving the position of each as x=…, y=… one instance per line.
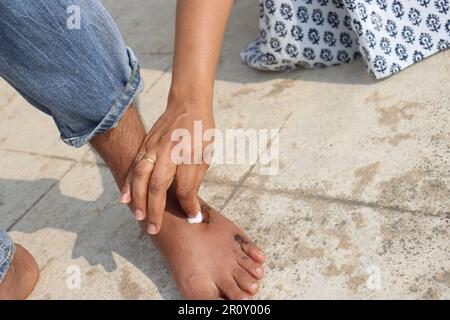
x=148, y=159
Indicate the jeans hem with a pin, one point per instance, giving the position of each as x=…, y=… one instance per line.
x=7, y=261
x=132, y=90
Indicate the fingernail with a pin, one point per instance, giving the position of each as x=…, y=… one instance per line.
x=125, y=198
x=139, y=214
x=151, y=229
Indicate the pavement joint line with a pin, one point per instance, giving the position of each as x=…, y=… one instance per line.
x=39, y=199
x=236, y=187
x=302, y=194
x=156, y=53
x=296, y=193
x=299, y=193
x=155, y=82
x=249, y=171
x=61, y=158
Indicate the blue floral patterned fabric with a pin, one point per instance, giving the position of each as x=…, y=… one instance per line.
x=390, y=34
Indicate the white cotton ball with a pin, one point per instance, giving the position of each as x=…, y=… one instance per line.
x=197, y=219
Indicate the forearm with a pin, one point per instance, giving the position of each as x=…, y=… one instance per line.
x=200, y=27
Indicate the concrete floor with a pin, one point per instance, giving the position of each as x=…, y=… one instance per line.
x=359, y=209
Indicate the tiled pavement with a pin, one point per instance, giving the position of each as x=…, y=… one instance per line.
x=360, y=207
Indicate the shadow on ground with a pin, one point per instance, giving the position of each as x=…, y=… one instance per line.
x=102, y=227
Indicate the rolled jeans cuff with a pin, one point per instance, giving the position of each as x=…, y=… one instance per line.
x=130, y=93
x=7, y=250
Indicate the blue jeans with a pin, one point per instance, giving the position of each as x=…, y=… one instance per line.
x=68, y=59
x=7, y=250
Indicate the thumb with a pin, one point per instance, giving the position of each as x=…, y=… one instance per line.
x=190, y=204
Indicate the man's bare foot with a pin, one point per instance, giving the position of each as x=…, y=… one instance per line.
x=211, y=260
x=21, y=277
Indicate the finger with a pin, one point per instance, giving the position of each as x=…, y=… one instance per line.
x=161, y=178
x=156, y=215
x=157, y=126
x=187, y=189
x=203, y=168
x=125, y=196
x=142, y=172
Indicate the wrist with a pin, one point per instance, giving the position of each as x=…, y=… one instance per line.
x=192, y=95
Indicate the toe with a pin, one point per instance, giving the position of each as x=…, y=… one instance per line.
x=252, y=250
x=195, y=288
x=252, y=267
x=201, y=294
x=246, y=281
x=231, y=290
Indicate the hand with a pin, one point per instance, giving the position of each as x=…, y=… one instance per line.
x=165, y=158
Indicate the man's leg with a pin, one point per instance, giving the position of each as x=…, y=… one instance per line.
x=214, y=259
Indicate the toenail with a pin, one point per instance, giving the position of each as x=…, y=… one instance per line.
x=258, y=270
x=151, y=229
x=260, y=254
x=253, y=286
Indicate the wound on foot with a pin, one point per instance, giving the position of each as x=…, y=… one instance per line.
x=201, y=217
x=240, y=240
